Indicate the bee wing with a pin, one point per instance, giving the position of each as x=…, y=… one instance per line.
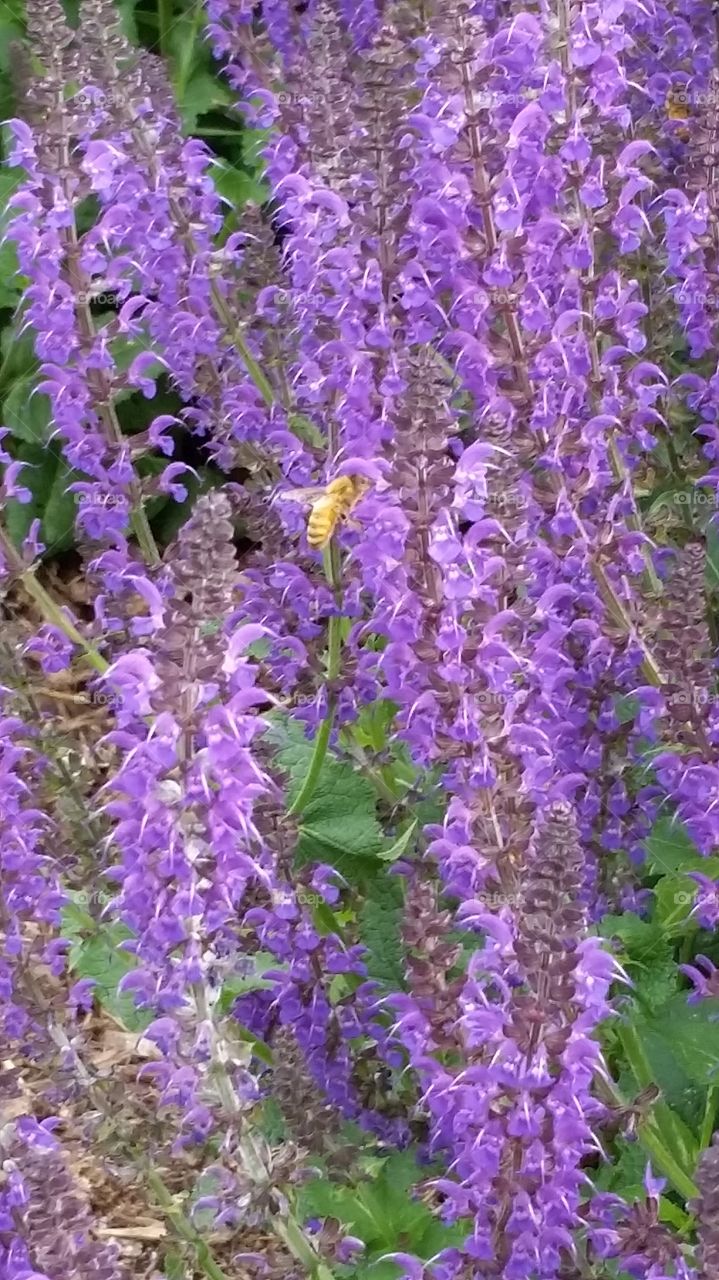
x=303, y=496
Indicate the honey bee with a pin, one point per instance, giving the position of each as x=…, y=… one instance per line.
x=677, y=107
x=329, y=507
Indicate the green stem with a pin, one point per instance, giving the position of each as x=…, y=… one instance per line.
x=709, y=1120
x=666, y=1163
x=185, y=64
x=298, y=1244
x=676, y=1140
x=334, y=657
x=50, y=611
x=145, y=537
x=183, y=1227
x=318, y=758
x=258, y=377
x=165, y=22
x=651, y=1140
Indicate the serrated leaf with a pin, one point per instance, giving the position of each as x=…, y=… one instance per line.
x=380, y=920
x=125, y=350
x=669, y=847
x=27, y=415
x=372, y=727
x=339, y=825
x=11, y=282
x=625, y=1171
x=238, y=187
x=58, y=518
x=236, y=986
x=304, y=428
x=381, y=1211
x=689, y=1033
x=173, y=515
x=626, y=709
x=99, y=956
x=400, y=846
x=647, y=955
x=174, y=1266
x=673, y=900
x=129, y=28
x=203, y=93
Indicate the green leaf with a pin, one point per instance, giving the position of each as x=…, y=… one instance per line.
x=11, y=180
x=235, y=986
x=626, y=709
x=99, y=956
x=26, y=414
x=124, y=351
x=174, y=1266
x=625, y=1171
x=381, y=1211
x=129, y=28
x=687, y=1034
x=47, y=477
x=665, y=1133
x=173, y=515
x=37, y=477
x=380, y=921
x=58, y=519
x=238, y=187
x=669, y=847
x=18, y=356
x=204, y=91
x=339, y=824
x=401, y=844
x=673, y=900
x=373, y=725
x=10, y=29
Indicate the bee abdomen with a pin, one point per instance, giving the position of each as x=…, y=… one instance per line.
x=321, y=523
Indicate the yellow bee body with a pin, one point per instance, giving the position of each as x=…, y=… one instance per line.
x=678, y=109
x=677, y=106
x=330, y=506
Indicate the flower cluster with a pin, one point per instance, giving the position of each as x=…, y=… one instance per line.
x=458, y=293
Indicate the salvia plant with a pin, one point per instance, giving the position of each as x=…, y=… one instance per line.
x=359, y=720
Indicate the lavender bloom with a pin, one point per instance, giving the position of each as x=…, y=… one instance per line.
x=46, y=1226
x=78, y=369
x=635, y=1236
x=31, y=891
x=706, y=1209
x=196, y=818
x=160, y=213
x=683, y=646
x=522, y=1098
